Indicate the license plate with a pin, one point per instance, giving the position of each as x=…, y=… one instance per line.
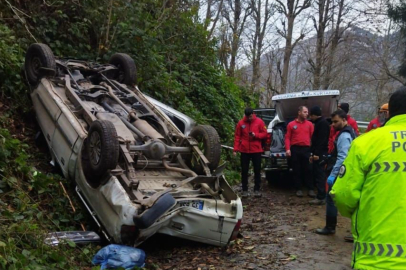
x=193, y=204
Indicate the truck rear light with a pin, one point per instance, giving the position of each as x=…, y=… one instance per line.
x=236, y=230
x=268, y=141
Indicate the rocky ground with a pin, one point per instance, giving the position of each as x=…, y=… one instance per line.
x=277, y=233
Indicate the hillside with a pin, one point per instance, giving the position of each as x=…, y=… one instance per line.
x=365, y=69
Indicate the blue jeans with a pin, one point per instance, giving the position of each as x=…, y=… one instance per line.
x=331, y=209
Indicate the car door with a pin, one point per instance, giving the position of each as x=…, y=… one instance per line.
x=46, y=109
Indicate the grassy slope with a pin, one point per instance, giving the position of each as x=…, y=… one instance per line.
x=32, y=203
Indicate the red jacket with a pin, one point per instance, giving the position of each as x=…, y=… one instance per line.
x=373, y=124
x=298, y=133
x=333, y=133
x=245, y=143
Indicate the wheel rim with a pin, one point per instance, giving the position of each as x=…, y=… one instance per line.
x=36, y=65
x=95, y=148
x=120, y=77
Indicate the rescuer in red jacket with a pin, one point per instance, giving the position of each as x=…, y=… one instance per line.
x=297, y=144
x=249, y=133
x=350, y=121
x=383, y=115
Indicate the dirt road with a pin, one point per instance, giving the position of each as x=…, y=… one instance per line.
x=277, y=233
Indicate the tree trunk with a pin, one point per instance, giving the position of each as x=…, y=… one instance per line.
x=337, y=35
x=288, y=54
x=323, y=10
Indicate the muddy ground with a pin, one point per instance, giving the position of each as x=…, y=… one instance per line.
x=277, y=233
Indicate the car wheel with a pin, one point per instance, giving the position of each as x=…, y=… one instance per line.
x=38, y=56
x=209, y=143
x=127, y=71
x=102, y=150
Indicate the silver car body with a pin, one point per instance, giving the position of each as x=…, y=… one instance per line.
x=195, y=216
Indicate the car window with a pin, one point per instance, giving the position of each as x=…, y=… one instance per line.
x=267, y=115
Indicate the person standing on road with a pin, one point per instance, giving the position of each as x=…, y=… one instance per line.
x=380, y=119
x=351, y=122
x=342, y=144
x=319, y=149
x=249, y=133
x=371, y=190
x=297, y=144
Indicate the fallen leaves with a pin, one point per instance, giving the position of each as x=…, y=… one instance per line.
x=249, y=248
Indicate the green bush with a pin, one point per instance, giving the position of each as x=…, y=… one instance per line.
x=31, y=205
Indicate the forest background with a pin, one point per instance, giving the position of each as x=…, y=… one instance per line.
x=209, y=59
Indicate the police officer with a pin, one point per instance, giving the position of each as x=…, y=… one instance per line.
x=371, y=189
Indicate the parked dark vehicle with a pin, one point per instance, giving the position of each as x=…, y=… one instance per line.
x=286, y=106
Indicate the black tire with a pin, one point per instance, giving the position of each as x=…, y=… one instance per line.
x=102, y=150
x=37, y=56
x=209, y=143
x=127, y=71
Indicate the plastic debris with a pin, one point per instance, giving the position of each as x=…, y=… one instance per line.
x=114, y=256
x=78, y=237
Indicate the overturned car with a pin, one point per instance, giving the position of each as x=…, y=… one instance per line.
x=136, y=172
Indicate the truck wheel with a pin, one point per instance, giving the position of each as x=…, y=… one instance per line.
x=209, y=143
x=127, y=71
x=102, y=150
x=272, y=177
x=38, y=56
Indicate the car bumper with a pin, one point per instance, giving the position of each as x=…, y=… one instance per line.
x=110, y=205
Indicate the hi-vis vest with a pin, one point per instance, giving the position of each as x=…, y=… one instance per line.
x=371, y=189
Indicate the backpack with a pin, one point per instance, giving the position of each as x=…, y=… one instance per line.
x=278, y=138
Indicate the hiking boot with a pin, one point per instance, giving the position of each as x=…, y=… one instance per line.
x=245, y=194
x=330, y=228
x=311, y=193
x=326, y=231
x=257, y=193
x=299, y=193
x=317, y=202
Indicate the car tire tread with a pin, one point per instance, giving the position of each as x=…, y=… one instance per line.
x=125, y=64
x=46, y=57
x=212, y=147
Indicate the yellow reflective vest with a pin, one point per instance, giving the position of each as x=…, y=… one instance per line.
x=371, y=189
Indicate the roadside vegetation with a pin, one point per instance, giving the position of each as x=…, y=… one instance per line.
x=177, y=65
x=32, y=203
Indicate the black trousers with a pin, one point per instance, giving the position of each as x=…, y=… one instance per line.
x=319, y=177
x=301, y=166
x=245, y=164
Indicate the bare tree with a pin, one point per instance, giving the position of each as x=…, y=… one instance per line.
x=213, y=11
x=290, y=11
x=338, y=30
x=262, y=11
x=320, y=24
x=235, y=12
x=270, y=81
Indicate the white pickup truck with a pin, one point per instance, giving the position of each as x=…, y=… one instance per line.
x=286, y=106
